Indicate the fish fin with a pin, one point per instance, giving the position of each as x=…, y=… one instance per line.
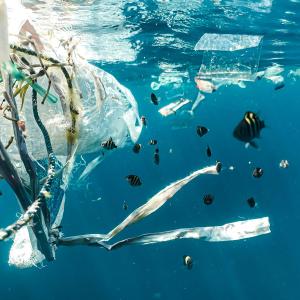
x=253, y=144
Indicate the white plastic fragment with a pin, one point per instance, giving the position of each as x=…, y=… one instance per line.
x=284, y=164
x=227, y=42
x=24, y=252
x=173, y=107
x=200, y=98
x=239, y=230
x=228, y=232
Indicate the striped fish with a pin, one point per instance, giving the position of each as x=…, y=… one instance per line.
x=134, y=180
x=109, y=144
x=152, y=142
x=137, y=148
x=249, y=128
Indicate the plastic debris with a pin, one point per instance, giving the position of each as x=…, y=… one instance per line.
x=227, y=42
x=229, y=56
x=205, y=86
x=228, y=232
x=284, y=164
x=199, y=99
x=173, y=107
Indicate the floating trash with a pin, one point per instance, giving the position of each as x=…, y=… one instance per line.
x=199, y=99
x=229, y=56
x=284, y=164
x=173, y=107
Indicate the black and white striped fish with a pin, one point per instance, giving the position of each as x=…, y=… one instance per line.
x=134, y=180
x=249, y=128
x=109, y=144
x=152, y=142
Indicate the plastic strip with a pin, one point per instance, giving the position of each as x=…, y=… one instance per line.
x=228, y=232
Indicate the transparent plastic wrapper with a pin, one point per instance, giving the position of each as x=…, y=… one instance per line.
x=173, y=107
x=229, y=56
x=56, y=106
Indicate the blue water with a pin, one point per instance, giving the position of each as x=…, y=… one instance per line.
x=265, y=267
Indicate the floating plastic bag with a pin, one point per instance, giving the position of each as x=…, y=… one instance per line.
x=229, y=56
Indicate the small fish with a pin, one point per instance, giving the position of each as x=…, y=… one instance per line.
x=137, y=148
x=109, y=144
x=251, y=202
x=284, y=164
x=201, y=130
x=156, y=157
x=279, y=86
x=188, y=262
x=134, y=180
x=144, y=121
x=154, y=99
x=249, y=128
x=208, y=151
x=152, y=142
x=257, y=172
x=218, y=166
x=1, y=193
x=208, y=199
x=125, y=206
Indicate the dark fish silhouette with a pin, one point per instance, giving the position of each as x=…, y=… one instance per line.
x=208, y=151
x=218, y=166
x=249, y=128
x=188, y=262
x=109, y=144
x=154, y=99
x=137, y=148
x=208, y=199
x=134, y=180
x=156, y=157
x=125, y=206
x=251, y=202
x=257, y=172
x=153, y=142
x=279, y=86
x=201, y=130
x=144, y=121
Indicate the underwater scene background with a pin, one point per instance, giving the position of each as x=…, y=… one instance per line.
x=149, y=47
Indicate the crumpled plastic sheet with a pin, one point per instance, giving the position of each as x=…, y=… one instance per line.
x=106, y=109
x=229, y=56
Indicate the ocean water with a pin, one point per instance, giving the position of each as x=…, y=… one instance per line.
x=146, y=42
